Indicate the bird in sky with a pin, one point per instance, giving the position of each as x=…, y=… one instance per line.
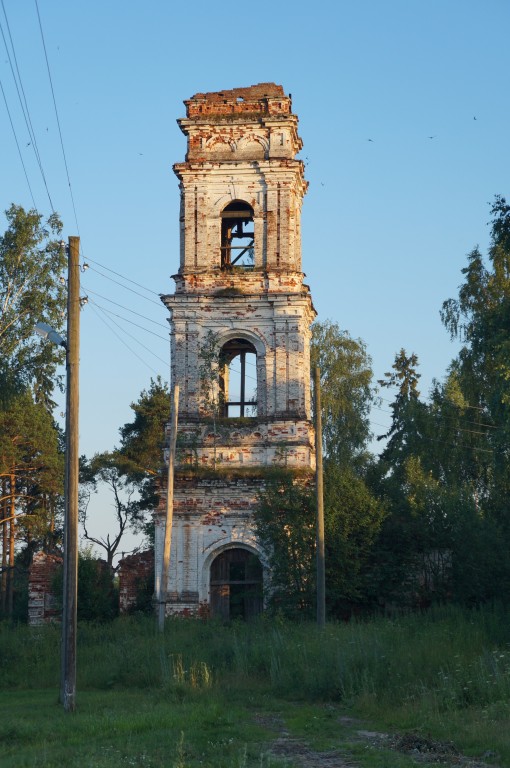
x=431, y=137
x=371, y=140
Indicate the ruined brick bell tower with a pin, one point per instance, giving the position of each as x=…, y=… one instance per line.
x=240, y=333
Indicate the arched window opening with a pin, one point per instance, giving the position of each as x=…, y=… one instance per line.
x=238, y=378
x=237, y=236
x=236, y=585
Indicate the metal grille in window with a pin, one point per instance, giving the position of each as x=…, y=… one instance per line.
x=237, y=236
x=238, y=378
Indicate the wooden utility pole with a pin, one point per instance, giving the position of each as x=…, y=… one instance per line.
x=321, y=571
x=70, y=594
x=163, y=584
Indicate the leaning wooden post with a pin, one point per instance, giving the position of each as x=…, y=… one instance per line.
x=321, y=572
x=163, y=584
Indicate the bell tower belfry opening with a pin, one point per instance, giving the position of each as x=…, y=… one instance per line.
x=240, y=335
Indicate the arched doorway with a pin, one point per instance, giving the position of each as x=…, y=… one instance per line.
x=236, y=585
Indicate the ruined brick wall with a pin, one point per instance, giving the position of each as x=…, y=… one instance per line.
x=211, y=514
x=276, y=325
x=264, y=98
x=42, y=604
x=258, y=444
x=255, y=122
x=135, y=573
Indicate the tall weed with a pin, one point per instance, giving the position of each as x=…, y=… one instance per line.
x=448, y=658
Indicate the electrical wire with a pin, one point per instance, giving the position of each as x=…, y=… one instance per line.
x=450, y=418
x=126, y=320
x=17, y=144
x=103, y=266
x=439, y=442
x=57, y=117
x=122, y=340
x=248, y=376
x=157, y=303
x=138, y=342
x=24, y=107
x=474, y=407
x=105, y=298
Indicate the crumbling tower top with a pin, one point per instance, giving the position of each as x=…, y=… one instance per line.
x=263, y=109
x=263, y=99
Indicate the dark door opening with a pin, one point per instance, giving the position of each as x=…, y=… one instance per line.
x=236, y=585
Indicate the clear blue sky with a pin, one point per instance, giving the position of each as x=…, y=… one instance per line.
x=387, y=223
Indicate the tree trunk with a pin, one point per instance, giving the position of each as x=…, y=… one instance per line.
x=5, y=543
x=12, y=529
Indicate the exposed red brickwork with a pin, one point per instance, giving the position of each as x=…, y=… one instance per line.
x=251, y=124
x=135, y=571
x=242, y=155
x=264, y=98
x=41, y=600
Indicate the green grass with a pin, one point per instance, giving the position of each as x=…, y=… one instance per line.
x=209, y=695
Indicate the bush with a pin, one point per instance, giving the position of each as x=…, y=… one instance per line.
x=97, y=593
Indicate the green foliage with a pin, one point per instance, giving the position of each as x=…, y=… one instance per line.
x=97, y=595
x=285, y=521
x=352, y=520
x=480, y=378
x=480, y=318
x=445, y=472
x=205, y=694
x=346, y=393
x=31, y=464
x=31, y=264
x=31, y=479
x=285, y=524
x=113, y=471
x=212, y=405
x=285, y=527
x=208, y=374
x=407, y=410
x=132, y=473
x=29, y=449
x=142, y=442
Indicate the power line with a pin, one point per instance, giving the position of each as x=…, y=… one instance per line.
x=56, y=115
x=451, y=418
x=473, y=407
x=157, y=303
x=137, y=341
x=17, y=144
x=24, y=107
x=105, y=298
x=440, y=442
x=109, y=312
x=103, y=266
x=122, y=341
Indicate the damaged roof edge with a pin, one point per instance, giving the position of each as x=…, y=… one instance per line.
x=251, y=93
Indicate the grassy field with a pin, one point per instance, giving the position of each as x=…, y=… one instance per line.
x=388, y=693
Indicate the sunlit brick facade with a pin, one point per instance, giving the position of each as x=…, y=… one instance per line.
x=240, y=332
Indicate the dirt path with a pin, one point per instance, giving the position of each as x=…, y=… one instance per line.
x=300, y=755
x=422, y=750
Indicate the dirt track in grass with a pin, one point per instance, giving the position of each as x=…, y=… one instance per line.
x=420, y=749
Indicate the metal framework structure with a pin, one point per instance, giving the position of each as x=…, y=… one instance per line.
x=234, y=220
